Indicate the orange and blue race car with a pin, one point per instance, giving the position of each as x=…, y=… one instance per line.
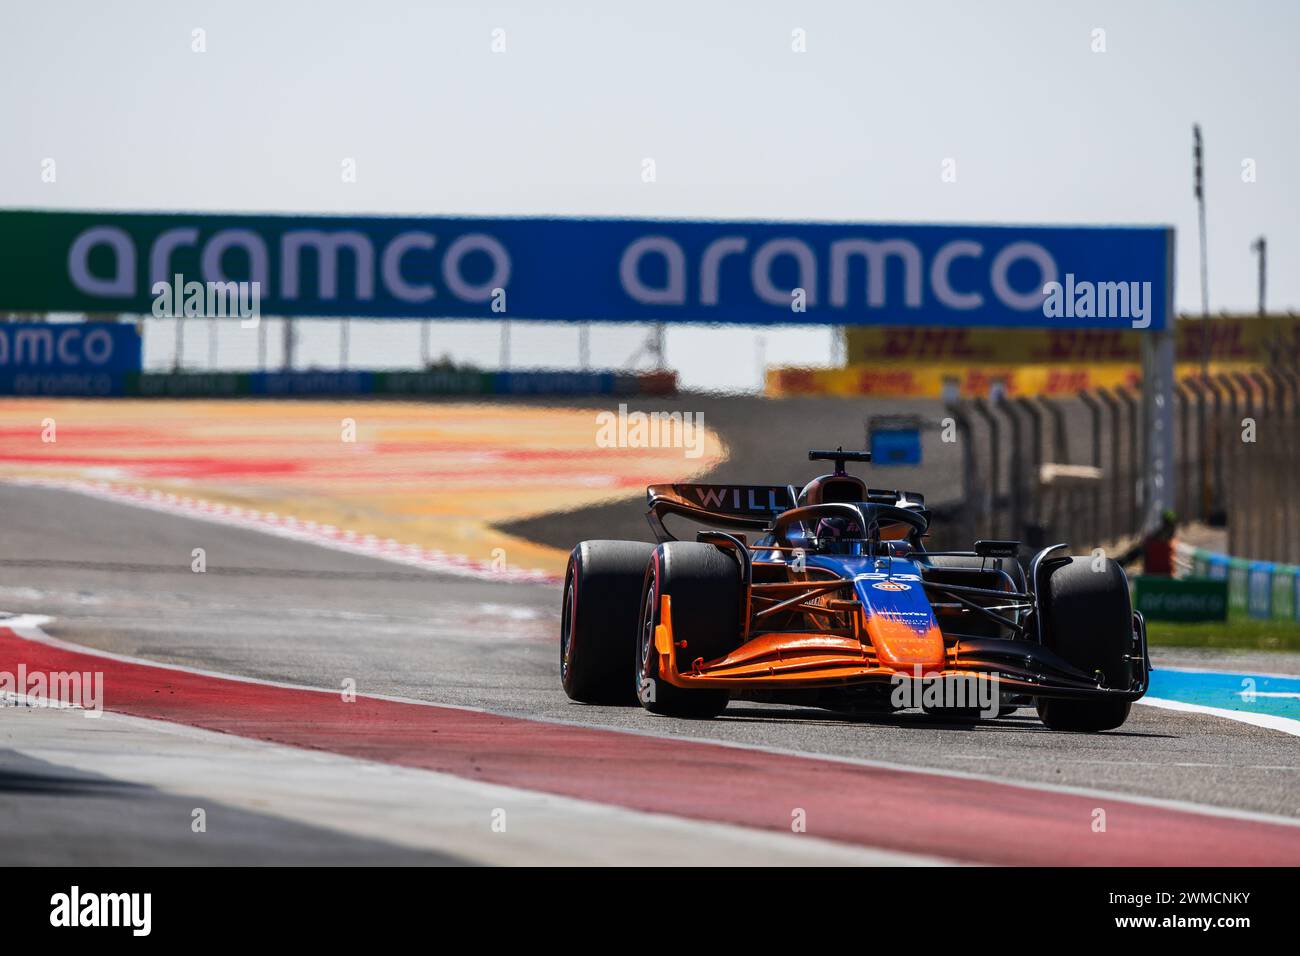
x=836, y=603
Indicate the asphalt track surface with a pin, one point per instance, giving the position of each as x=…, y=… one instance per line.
x=118, y=578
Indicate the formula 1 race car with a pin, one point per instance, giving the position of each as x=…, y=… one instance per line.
x=837, y=604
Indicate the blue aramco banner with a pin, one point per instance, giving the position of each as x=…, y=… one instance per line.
x=757, y=273
x=67, y=358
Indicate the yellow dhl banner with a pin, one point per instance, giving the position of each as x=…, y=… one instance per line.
x=927, y=380
x=1232, y=339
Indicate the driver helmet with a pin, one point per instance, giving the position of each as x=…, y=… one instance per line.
x=839, y=534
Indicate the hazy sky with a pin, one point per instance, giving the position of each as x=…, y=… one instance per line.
x=739, y=125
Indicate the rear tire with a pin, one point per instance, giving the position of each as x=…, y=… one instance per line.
x=1088, y=620
x=704, y=587
x=598, y=623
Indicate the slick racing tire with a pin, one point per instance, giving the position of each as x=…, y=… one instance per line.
x=1083, y=716
x=703, y=586
x=598, y=621
x=1088, y=620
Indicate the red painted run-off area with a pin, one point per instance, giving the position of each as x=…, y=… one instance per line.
x=926, y=813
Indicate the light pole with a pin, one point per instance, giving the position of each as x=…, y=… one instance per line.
x=289, y=340
x=1199, y=192
x=1260, y=245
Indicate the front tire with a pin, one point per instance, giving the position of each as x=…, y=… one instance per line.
x=598, y=623
x=1083, y=716
x=1088, y=620
x=704, y=589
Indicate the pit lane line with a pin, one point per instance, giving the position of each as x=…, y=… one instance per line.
x=931, y=813
x=1284, y=725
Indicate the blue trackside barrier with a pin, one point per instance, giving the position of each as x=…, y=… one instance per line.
x=68, y=358
x=82, y=384
x=554, y=383
x=1261, y=589
x=310, y=383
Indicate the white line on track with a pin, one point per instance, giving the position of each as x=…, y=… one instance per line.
x=1286, y=725
x=287, y=526
x=1055, y=761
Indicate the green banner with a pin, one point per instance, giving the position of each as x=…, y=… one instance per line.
x=1181, y=599
x=435, y=382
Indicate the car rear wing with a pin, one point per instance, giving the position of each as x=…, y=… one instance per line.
x=735, y=506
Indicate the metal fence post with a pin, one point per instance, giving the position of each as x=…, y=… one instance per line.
x=995, y=451
x=1213, y=446
x=1094, y=413
x=1250, y=468
x=1183, y=453
x=1195, y=470
x=1289, y=465
x=1035, y=507
x=1267, y=438
x=1066, y=501
x=1060, y=435
x=1236, y=490
x=1016, y=470
x=1116, y=480
x=1130, y=403
x=968, y=481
